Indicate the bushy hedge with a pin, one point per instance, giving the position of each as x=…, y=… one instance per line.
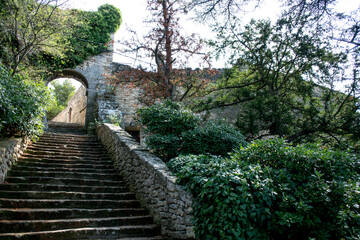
x=272, y=190
x=22, y=105
x=214, y=137
x=172, y=129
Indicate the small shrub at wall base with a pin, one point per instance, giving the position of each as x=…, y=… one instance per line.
x=272, y=190
x=171, y=129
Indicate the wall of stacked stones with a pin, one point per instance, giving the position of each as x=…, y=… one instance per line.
x=10, y=150
x=151, y=180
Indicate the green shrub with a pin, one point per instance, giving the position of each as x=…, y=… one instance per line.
x=22, y=105
x=272, y=190
x=168, y=118
x=164, y=124
x=172, y=130
x=214, y=137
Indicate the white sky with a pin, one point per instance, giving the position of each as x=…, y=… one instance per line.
x=134, y=13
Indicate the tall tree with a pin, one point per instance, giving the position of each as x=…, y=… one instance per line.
x=283, y=80
x=168, y=49
x=31, y=26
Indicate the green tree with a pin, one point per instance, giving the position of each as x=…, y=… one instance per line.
x=61, y=94
x=90, y=36
x=63, y=91
x=283, y=79
x=29, y=27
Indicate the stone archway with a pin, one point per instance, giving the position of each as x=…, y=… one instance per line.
x=82, y=79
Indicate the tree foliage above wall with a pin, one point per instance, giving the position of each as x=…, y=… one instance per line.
x=40, y=36
x=90, y=37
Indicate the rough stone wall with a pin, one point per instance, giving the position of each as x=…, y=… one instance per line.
x=152, y=182
x=127, y=99
x=10, y=149
x=75, y=111
x=129, y=102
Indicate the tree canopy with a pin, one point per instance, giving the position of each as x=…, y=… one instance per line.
x=41, y=36
x=284, y=76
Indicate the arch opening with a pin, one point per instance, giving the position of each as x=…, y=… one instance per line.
x=69, y=101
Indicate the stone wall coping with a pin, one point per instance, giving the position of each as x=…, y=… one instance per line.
x=151, y=180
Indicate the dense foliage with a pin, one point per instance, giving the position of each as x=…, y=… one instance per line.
x=40, y=37
x=172, y=130
x=31, y=27
x=90, y=36
x=283, y=83
x=214, y=137
x=22, y=104
x=272, y=190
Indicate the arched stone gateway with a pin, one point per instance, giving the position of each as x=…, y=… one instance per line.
x=101, y=99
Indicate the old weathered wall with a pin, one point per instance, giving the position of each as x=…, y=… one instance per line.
x=75, y=111
x=151, y=180
x=10, y=149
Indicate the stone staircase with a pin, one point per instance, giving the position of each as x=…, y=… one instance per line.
x=65, y=187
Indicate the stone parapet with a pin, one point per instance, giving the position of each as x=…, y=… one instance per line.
x=10, y=149
x=151, y=180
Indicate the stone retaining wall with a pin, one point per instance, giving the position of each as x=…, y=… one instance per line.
x=10, y=149
x=151, y=180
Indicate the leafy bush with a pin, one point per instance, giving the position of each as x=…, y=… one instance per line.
x=168, y=118
x=164, y=124
x=172, y=130
x=214, y=137
x=272, y=190
x=22, y=105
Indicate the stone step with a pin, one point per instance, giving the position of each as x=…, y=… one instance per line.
x=66, y=146
x=63, y=213
x=67, y=135
x=77, y=141
x=68, y=203
x=61, y=181
x=65, y=195
x=63, y=169
x=65, y=187
x=41, y=163
x=65, y=153
x=66, y=149
x=67, y=174
x=54, y=187
x=76, y=233
x=13, y=226
x=83, y=159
